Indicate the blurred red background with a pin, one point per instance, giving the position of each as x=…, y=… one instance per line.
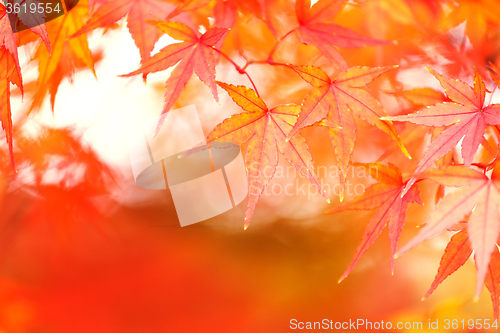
x=74, y=260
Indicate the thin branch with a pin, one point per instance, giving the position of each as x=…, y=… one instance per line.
x=269, y=61
x=253, y=84
x=278, y=43
x=238, y=68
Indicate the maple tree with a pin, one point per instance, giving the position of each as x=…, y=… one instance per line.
x=360, y=58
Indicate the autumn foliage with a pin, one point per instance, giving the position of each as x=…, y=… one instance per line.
x=330, y=69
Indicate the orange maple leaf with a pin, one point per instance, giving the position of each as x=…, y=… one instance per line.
x=384, y=196
x=421, y=97
x=66, y=53
x=267, y=130
x=478, y=17
x=333, y=102
x=456, y=254
x=492, y=281
x=478, y=194
x=186, y=6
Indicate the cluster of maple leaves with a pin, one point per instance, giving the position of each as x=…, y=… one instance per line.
x=463, y=115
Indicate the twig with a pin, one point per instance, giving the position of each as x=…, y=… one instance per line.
x=238, y=68
x=278, y=43
x=269, y=61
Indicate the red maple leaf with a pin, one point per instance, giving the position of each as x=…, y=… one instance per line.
x=467, y=115
x=332, y=104
x=10, y=72
x=225, y=12
x=315, y=28
x=138, y=12
x=195, y=54
x=478, y=196
x=391, y=206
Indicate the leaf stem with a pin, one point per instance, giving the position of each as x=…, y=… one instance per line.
x=269, y=61
x=238, y=68
x=278, y=43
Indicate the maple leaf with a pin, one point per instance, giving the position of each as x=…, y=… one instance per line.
x=492, y=281
x=195, y=54
x=334, y=101
x=66, y=54
x=312, y=29
x=7, y=75
x=138, y=12
x=266, y=130
x=384, y=196
x=225, y=12
x=187, y=6
x=32, y=20
x=409, y=136
x=10, y=72
x=225, y=15
x=478, y=17
x=8, y=39
x=468, y=115
x=478, y=194
x=420, y=97
x=456, y=254
x=494, y=73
